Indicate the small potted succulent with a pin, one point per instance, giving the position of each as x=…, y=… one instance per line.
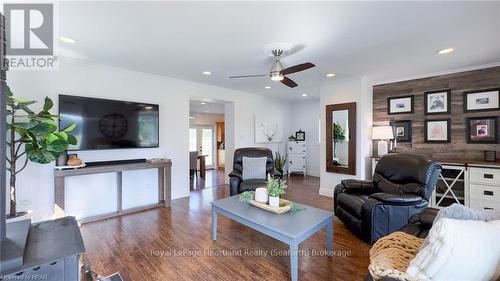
x=275, y=188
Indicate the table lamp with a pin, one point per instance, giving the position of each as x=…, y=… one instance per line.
x=382, y=134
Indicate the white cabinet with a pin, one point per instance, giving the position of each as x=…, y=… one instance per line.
x=297, y=157
x=452, y=186
x=485, y=188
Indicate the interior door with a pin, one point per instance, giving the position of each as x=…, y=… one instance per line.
x=202, y=139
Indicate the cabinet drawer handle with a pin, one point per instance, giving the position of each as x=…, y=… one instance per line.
x=489, y=193
x=488, y=208
x=488, y=176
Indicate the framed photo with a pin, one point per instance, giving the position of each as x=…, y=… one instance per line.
x=400, y=105
x=300, y=135
x=482, y=129
x=437, y=131
x=402, y=130
x=437, y=102
x=482, y=100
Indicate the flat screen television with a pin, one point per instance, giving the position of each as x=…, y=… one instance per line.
x=109, y=124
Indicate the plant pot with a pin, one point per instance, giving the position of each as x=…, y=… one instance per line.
x=20, y=216
x=274, y=201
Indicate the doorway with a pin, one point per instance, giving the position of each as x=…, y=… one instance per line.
x=206, y=143
x=202, y=139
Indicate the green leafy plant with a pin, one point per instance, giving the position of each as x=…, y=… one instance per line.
x=33, y=136
x=279, y=161
x=338, y=136
x=247, y=196
x=275, y=187
x=291, y=138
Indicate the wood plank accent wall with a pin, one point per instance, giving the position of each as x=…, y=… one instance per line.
x=458, y=83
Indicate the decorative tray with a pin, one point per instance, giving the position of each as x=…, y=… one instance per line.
x=70, y=167
x=284, y=207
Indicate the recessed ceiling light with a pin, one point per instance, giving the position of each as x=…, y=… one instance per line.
x=148, y=107
x=445, y=51
x=191, y=117
x=267, y=87
x=207, y=73
x=304, y=95
x=67, y=40
x=330, y=75
x=203, y=103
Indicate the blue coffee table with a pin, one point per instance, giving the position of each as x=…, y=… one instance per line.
x=291, y=227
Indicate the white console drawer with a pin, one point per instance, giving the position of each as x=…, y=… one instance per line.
x=485, y=176
x=298, y=160
x=297, y=147
x=483, y=205
x=485, y=192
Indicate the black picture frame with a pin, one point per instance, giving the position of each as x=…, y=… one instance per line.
x=493, y=128
x=448, y=130
x=412, y=106
x=466, y=110
x=300, y=135
x=407, y=137
x=448, y=102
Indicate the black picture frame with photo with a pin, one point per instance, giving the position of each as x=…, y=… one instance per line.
x=437, y=123
x=300, y=135
x=399, y=105
x=482, y=129
x=482, y=100
x=402, y=130
x=437, y=102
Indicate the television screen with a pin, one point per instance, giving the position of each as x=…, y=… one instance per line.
x=108, y=124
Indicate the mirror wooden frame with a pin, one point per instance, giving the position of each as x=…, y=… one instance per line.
x=330, y=167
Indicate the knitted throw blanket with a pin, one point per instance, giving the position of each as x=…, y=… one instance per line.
x=391, y=255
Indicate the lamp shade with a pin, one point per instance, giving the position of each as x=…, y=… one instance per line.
x=382, y=133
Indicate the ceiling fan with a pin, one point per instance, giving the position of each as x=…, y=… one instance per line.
x=278, y=73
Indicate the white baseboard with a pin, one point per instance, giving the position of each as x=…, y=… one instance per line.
x=326, y=192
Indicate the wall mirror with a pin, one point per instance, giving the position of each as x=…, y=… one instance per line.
x=341, y=138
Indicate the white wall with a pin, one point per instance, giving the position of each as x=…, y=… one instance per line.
x=342, y=90
x=305, y=117
x=35, y=184
x=205, y=119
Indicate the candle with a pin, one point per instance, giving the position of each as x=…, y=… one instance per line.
x=261, y=194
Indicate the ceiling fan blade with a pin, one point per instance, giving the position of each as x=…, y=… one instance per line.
x=247, y=76
x=297, y=68
x=289, y=82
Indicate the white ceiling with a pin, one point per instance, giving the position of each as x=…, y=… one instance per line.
x=206, y=107
x=381, y=40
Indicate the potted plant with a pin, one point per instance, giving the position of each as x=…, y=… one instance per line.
x=279, y=162
x=338, y=137
x=275, y=188
x=31, y=136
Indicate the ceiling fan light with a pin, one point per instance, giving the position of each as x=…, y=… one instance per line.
x=276, y=76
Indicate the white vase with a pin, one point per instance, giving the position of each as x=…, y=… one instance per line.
x=274, y=201
x=27, y=215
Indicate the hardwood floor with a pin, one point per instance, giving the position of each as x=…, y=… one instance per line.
x=212, y=178
x=175, y=244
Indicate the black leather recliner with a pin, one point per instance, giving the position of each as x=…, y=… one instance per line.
x=401, y=187
x=236, y=183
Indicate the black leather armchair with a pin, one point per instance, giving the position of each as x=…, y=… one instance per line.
x=236, y=183
x=401, y=187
